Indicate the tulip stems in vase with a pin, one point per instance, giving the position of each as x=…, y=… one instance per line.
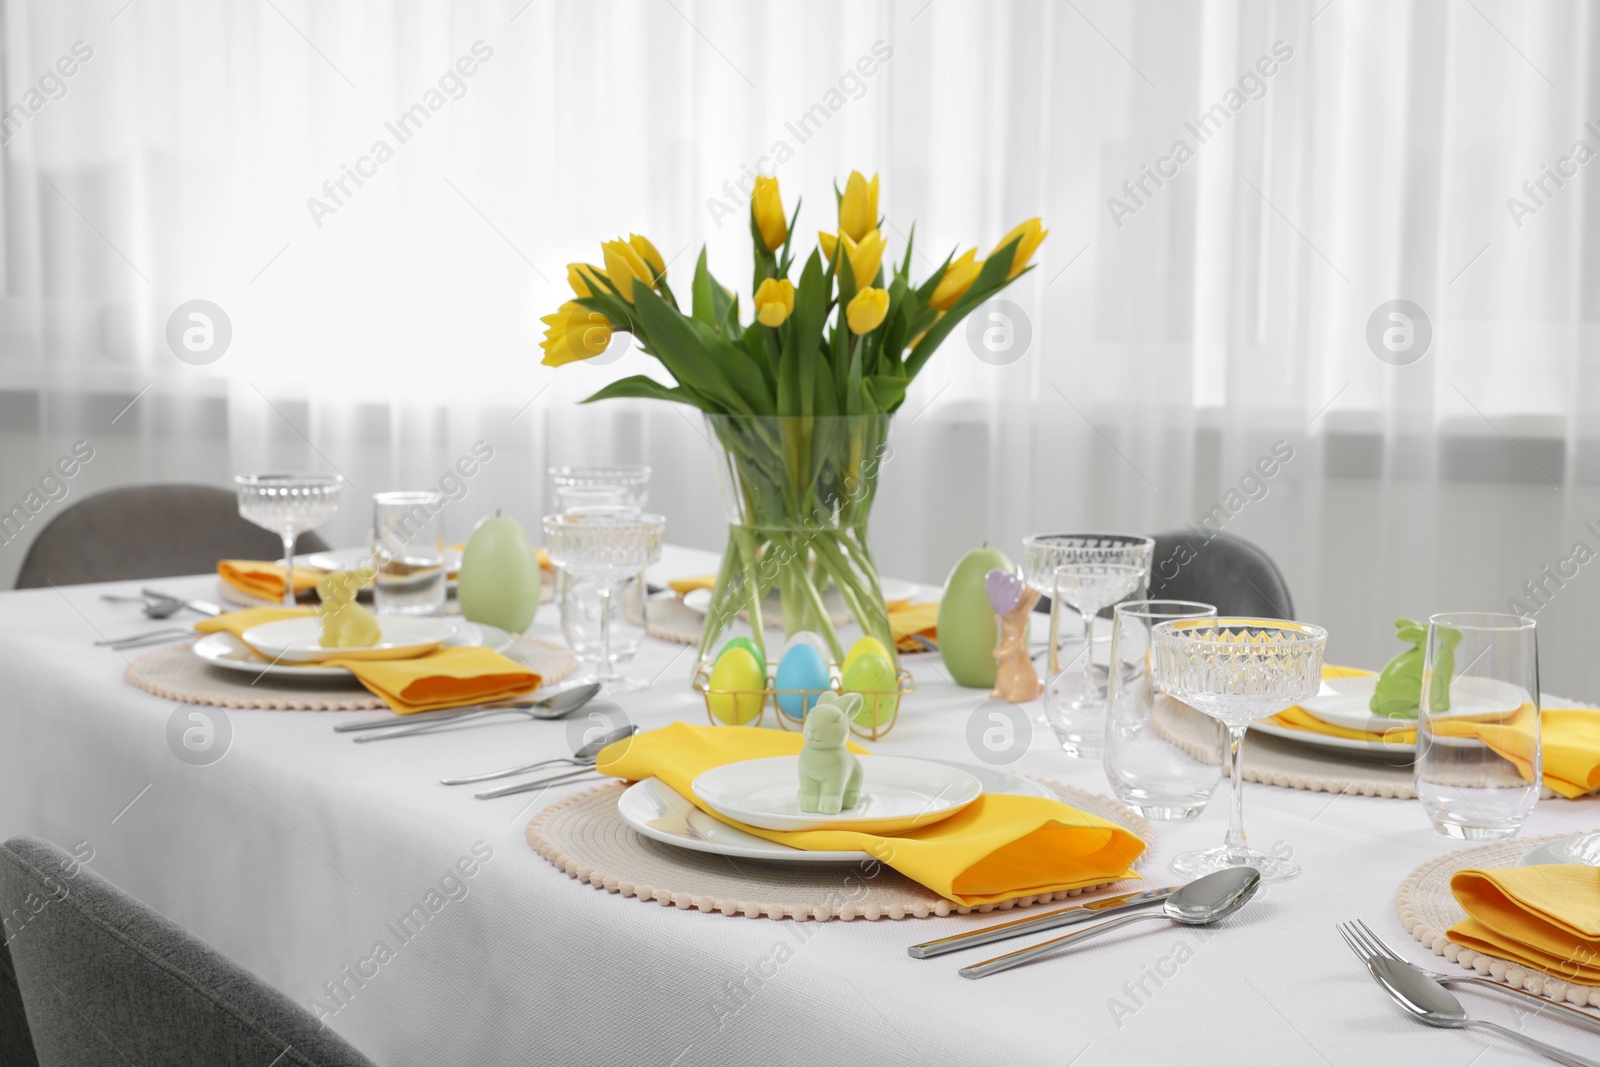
x=798, y=399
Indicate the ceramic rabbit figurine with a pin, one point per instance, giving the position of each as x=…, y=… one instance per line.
x=345, y=624
x=1015, y=678
x=1399, y=687
x=830, y=775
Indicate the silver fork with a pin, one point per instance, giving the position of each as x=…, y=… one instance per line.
x=1363, y=942
x=151, y=637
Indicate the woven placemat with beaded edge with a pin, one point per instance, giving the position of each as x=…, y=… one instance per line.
x=175, y=673
x=585, y=837
x=1427, y=909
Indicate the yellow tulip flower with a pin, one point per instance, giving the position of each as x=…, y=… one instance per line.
x=867, y=310
x=581, y=277
x=865, y=257
x=648, y=253
x=774, y=301
x=1032, y=234
x=624, y=266
x=575, y=333
x=768, y=208
x=858, y=206
x=958, y=278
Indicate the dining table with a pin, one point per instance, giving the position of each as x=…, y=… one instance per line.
x=297, y=852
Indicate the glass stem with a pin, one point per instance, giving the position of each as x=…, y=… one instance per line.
x=288, y=568
x=607, y=671
x=1236, y=845
x=1086, y=699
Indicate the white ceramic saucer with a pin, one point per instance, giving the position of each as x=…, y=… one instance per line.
x=297, y=640
x=1557, y=851
x=661, y=813
x=897, y=794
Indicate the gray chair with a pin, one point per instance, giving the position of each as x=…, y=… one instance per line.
x=16, y=1042
x=106, y=980
x=148, y=531
x=1227, y=571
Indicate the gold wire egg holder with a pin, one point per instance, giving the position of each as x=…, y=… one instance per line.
x=768, y=697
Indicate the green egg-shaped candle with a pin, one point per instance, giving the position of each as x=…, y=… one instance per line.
x=500, y=578
x=873, y=677
x=967, y=631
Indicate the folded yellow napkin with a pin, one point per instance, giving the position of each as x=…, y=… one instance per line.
x=264, y=579
x=906, y=619
x=1570, y=736
x=996, y=848
x=1546, y=917
x=685, y=586
x=447, y=678
x=237, y=622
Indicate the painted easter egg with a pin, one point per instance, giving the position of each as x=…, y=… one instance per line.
x=746, y=644
x=872, y=677
x=808, y=637
x=860, y=648
x=736, y=669
x=802, y=667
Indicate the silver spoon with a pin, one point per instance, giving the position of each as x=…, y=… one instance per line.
x=1437, y=1006
x=1202, y=901
x=556, y=706
x=154, y=607
x=584, y=759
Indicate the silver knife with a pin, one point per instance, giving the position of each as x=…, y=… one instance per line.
x=202, y=607
x=1095, y=909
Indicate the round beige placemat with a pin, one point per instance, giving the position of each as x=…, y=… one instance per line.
x=175, y=673
x=586, y=837
x=1427, y=909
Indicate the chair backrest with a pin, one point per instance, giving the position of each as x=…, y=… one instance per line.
x=1228, y=571
x=16, y=1043
x=148, y=531
x=106, y=980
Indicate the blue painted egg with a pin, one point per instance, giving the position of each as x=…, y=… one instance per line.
x=802, y=667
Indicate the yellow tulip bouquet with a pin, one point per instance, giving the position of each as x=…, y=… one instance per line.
x=798, y=398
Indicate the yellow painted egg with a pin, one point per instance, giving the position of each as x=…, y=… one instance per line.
x=736, y=669
x=861, y=648
x=872, y=677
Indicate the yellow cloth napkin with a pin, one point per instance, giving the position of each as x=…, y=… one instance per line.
x=447, y=678
x=996, y=848
x=264, y=579
x=1571, y=738
x=685, y=586
x=906, y=618
x=1546, y=917
x=237, y=622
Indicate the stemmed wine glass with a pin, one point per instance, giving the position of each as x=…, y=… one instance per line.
x=605, y=545
x=1090, y=588
x=1047, y=552
x=288, y=504
x=1237, y=671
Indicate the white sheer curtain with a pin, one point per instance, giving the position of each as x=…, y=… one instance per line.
x=1355, y=152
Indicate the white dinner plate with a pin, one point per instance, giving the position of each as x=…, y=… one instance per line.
x=228, y=652
x=699, y=600
x=343, y=559
x=661, y=813
x=897, y=793
x=1556, y=852
x=1346, y=702
x=298, y=640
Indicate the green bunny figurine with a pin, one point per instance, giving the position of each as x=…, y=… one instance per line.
x=1399, y=689
x=830, y=775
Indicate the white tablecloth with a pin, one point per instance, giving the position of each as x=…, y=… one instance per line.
x=299, y=851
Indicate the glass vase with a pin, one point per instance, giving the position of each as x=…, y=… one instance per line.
x=797, y=492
